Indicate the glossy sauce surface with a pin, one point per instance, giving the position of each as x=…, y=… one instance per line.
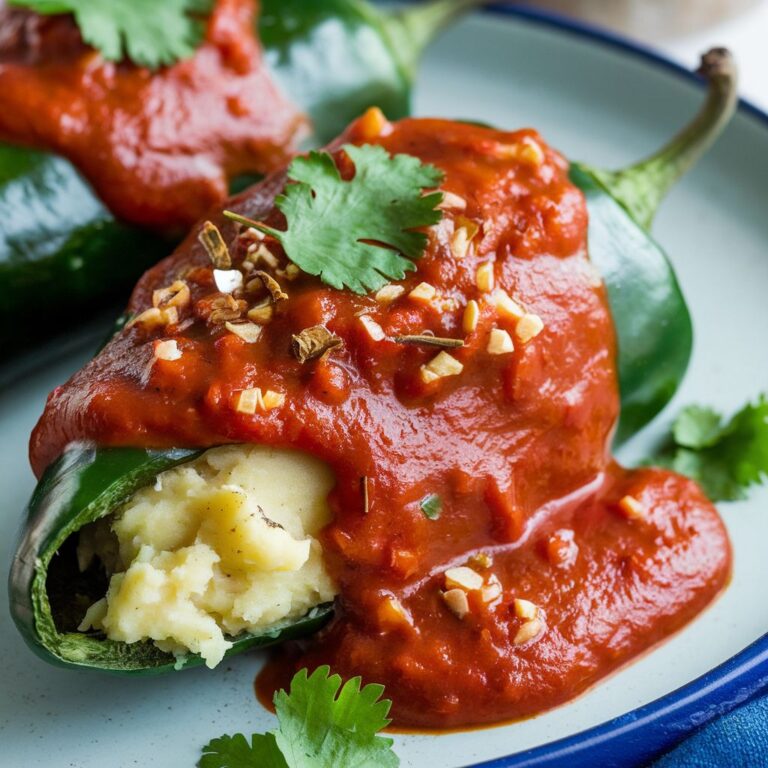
x=158, y=147
x=516, y=445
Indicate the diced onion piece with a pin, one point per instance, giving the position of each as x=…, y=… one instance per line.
x=528, y=631
x=492, y=590
x=463, y=578
x=484, y=277
x=525, y=609
x=228, y=280
x=462, y=238
x=272, y=399
x=167, y=350
x=252, y=400
x=177, y=294
x=506, y=306
x=155, y=318
x=440, y=367
x=452, y=202
x=389, y=293
x=262, y=313
x=248, y=332
x=372, y=328
x=423, y=292
x=500, y=342
x=456, y=600
x=528, y=327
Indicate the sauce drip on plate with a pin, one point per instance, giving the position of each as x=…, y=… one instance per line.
x=493, y=559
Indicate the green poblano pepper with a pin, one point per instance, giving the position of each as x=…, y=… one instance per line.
x=654, y=336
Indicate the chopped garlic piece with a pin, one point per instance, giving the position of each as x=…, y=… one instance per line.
x=528, y=631
x=423, y=292
x=525, y=609
x=372, y=328
x=271, y=399
x=506, y=306
x=228, y=280
x=456, y=600
x=177, y=294
x=155, y=318
x=463, y=578
x=248, y=401
x=492, y=590
x=484, y=277
x=471, y=316
x=460, y=242
x=528, y=327
x=251, y=400
x=500, y=342
x=441, y=366
x=452, y=202
x=167, y=350
x=389, y=293
x=248, y=332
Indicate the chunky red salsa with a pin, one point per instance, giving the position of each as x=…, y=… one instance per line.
x=158, y=147
x=493, y=559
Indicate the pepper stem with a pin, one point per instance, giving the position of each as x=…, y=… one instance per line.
x=413, y=29
x=641, y=187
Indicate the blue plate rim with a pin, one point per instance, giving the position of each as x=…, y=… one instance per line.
x=638, y=736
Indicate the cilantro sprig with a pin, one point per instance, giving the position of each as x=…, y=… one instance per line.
x=725, y=457
x=357, y=234
x=321, y=725
x=149, y=32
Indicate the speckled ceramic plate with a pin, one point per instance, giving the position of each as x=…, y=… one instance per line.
x=601, y=101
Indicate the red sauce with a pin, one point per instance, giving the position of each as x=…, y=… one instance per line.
x=158, y=147
x=516, y=446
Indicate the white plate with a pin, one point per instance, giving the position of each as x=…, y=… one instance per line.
x=596, y=103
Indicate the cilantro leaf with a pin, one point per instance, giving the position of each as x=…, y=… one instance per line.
x=236, y=752
x=357, y=234
x=148, y=32
x=725, y=458
x=322, y=725
x=432, y=506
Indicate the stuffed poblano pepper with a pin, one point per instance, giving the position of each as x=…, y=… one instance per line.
x=394, y=356
x=117, y=134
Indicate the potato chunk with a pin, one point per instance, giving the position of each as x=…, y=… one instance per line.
x=217, y=547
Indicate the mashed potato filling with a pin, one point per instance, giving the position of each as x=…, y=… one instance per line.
x=217, y=547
